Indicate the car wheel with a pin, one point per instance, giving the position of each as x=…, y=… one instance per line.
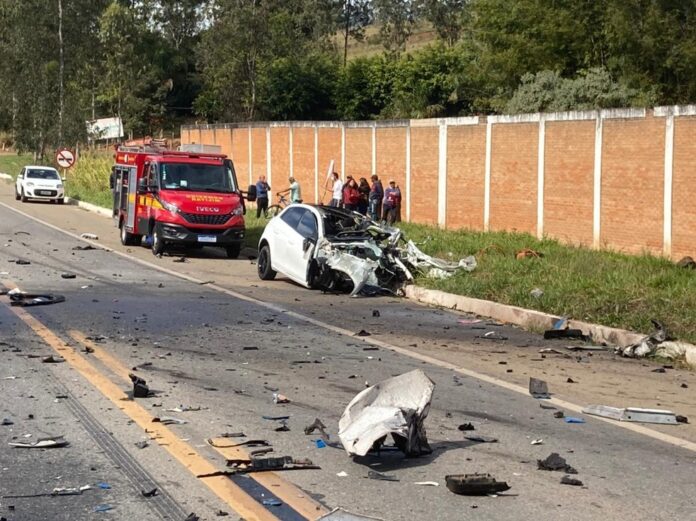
x=233, y=251
x=23, y=197
x=263, y=264
x=157, y=241
x=17, y=196
x=128, y=239
x=61, y=200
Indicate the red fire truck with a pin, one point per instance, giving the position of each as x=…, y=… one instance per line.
x=187, y=198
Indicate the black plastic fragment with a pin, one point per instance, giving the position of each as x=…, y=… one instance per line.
x=551, y=334
x=555, y=462
x=140, y=388
x=475, y=484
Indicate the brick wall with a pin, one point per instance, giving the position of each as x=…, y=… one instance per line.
x=684, y=188
x=569, y=181
x=596, y=178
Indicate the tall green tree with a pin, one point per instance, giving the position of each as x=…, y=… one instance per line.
x=353, y=17
x=397, y=19
x=449, y=17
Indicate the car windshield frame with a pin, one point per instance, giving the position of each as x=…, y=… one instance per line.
x=189, y=177
x=44, y=174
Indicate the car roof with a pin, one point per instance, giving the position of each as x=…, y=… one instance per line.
x=40, y=167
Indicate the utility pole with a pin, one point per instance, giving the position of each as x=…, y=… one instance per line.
x=61, y=72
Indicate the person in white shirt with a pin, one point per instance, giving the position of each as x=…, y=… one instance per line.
x=337, y=190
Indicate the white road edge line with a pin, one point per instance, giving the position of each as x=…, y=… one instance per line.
x=638, y=429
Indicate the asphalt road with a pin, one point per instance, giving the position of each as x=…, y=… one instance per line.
x=200, y=347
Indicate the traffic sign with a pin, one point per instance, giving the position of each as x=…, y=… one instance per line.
x=65, y=158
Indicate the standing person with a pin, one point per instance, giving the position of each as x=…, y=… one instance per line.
x=262, y=188
x=392, y=200
x=294, y=190
x=336, y=191
x=375, y=199
x=351, y=195
x=364, y=190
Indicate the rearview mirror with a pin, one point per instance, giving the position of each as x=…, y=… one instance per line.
x=251, y=193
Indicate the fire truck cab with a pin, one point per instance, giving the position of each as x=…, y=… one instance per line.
x=177, y=198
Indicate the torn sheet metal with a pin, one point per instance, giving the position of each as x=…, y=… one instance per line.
x=396, y=406
x=374, y=258
x=632, y=414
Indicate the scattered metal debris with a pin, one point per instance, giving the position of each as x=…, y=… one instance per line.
x=67, y=275
x=280, y=398
x=52, y=359
x=41, y=443
x=567, y=480
x=475, y=484
x=149, y=493
x=85, y=247
x=169, y=420
x=140, y=388
x=551, y=334
x=19, y=298
x=396, y=406
x=373, y=474
x=466, y=427
x=537, y=442
x=539, y=389
x=555, y=462
x=632, y=414
x=317, y=425
x=90, y=236
x=427, y=483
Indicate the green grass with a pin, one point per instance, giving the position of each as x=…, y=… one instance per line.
x=596, y=286
x=88, y=180
x=11, y=163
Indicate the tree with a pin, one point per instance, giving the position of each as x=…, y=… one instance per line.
x=353, y=17
x=365, y=88
x=397, y=18
x=591, y=89
x=448, y=17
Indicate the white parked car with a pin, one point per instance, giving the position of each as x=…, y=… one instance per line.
x=39, y=182
x=332, y=249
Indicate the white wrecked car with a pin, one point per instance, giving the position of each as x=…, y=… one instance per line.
x=397, y=406
x=321, y=247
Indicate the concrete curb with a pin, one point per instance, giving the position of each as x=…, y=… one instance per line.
x=531, y=319
x=104, y=212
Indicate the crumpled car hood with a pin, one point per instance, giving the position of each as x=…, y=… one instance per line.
x=396, y=406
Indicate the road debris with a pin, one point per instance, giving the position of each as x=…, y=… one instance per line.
x=480, y=439
x=567, y=480
x=375, y=313
x=427, y=483
x=22, y=262
x=573, y=419
x=342, y=474
x=280, y=398
x=466, y=427
x=90, y=236
x=539, y=389
x=85, y=247
x=19, y=298
x=551, y=334
x=559, y=414
x=169, y=420
x=632, y=414
x=41, y=443
x=149, y=493
x=50, y=359
x=537, y=293
x=277, y=464
x=67, y=276
x=140, y=388
x=475, y=484
x=396, y=406
x=272, y=502
x=339, y=514
x=317, y=425
x=555, y=462
x=537, y=442
x=687, y=263
x=493, y=335
x=192, y=517
x=6, y=421
x=362, y=332
x=320, y=444
x=142, y=444
x=373, y=474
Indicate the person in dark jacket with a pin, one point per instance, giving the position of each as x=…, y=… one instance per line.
x=364, y=190
x=392, y=201
x=262, y=188
x=375, y=199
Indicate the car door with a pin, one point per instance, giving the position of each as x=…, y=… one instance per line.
x=20, y=179
x=284, y=230
x=301, y=246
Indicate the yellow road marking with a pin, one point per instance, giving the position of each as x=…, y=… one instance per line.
x=223, y=487
x=286, y=491
x=638, y=429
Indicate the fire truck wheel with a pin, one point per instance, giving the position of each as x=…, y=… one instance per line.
x=263, y=264
x=129, y=239
x=157, y=241
x=233, y=251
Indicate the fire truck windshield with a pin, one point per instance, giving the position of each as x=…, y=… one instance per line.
x=196, y=177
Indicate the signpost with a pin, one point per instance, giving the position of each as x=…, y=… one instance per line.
x=65, y=159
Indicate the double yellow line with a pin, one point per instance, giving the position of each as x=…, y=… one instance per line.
x=233, y=495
